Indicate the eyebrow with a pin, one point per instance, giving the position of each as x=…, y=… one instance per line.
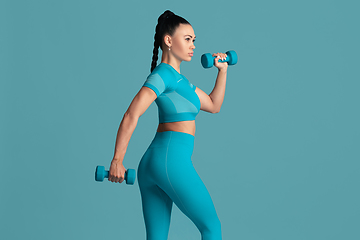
x=190, y=36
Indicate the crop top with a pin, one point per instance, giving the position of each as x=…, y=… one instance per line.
x=176, y=96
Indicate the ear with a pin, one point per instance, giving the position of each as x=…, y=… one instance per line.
x=167, y=40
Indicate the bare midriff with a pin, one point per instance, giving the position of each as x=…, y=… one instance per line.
x=182, y=126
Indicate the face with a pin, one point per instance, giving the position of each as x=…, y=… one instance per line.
x=182, y=43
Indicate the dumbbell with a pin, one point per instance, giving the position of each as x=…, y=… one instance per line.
x=207, y=60
x=101, y=173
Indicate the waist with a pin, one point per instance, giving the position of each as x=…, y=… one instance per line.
x=187, y=127
x=173, y=138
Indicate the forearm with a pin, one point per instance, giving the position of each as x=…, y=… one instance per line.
x=126, y=129
x=218, y=93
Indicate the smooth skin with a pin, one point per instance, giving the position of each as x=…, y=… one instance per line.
x=181, y=44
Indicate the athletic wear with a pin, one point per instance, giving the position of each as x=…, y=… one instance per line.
x=176, y=97
x=166, y=175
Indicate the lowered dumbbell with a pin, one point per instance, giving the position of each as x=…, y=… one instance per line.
x=207, y=60
x=101, y=173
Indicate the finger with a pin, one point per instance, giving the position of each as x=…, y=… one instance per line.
x=113, y=178
x=120, y=179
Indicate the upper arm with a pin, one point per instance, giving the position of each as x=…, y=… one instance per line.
x=206, y=104
x=153, y=87
x=159, y=81
x=141, y=101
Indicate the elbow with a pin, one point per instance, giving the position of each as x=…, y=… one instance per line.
x=131, y=116
x=216, y=110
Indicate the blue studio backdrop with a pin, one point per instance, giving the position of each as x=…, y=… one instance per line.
x=280, y=160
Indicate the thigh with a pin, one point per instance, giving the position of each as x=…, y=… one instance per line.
x=187, y=190
x=156, y=204
x=157, y=207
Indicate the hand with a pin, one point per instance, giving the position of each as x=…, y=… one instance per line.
x=221, y=65
x=116, y=171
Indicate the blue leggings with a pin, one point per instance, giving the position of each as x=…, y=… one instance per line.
x=166, y=175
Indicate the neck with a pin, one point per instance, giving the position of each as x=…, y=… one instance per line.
x=171, y=60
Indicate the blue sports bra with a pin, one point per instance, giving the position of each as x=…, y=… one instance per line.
x=176, y=96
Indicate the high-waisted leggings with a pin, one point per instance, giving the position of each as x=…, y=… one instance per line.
x=166, y=175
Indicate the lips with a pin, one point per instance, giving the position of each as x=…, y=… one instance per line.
x=191, y=54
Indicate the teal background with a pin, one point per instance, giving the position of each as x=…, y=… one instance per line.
x=280, y=160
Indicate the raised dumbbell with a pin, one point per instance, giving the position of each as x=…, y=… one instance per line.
x=207, y=60
x=101, y=173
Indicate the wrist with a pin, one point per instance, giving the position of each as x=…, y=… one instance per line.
x=118, y=157
x=117, y=160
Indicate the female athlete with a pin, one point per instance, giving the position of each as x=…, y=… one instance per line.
x=165, y=173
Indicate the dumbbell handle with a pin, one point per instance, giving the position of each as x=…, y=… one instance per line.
x=225, y=60
x=106, y=175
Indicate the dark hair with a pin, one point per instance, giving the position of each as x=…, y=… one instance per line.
x=167, y=24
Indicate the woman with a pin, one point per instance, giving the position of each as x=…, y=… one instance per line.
x=165, y=172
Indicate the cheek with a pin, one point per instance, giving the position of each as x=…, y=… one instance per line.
x=183, y=48
x=186, y=47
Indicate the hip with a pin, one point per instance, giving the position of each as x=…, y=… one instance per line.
x=168, y=153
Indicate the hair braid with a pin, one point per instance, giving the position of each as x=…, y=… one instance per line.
x=155, y=55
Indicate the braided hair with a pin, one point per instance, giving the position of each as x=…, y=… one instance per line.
x=167, y=24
